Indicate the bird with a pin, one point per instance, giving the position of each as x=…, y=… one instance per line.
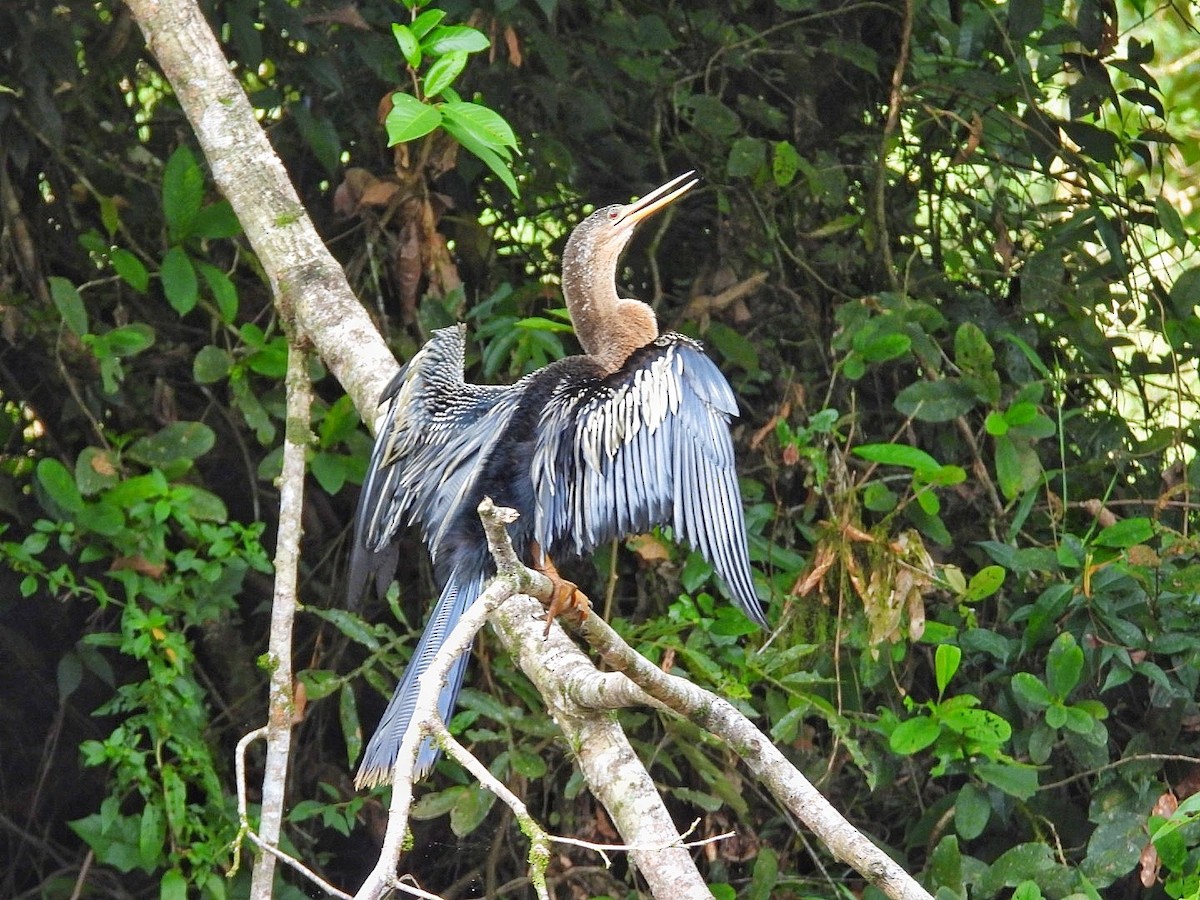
x=633, y=433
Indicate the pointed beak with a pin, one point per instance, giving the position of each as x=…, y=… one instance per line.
x=655, y=200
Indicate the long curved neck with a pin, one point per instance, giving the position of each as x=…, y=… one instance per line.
x=609, y=328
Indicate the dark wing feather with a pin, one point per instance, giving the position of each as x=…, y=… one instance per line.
x=433, y=431
x=648, y=445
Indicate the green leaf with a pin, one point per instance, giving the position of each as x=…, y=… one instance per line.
x=884, y=347
x=69, y=675
x=1185, y=292
x=59, y=485
x=733, y=346
x=1064, y=664
x=914, y=735
x=409, y=46
x=484, y=125
x=179, y=440
x=96, y=469
x=450, y=38
x=1125, y=534
x=1015, y=779
x=935, y=401
x=223, y=291
x=151, y=837
x=410, y=119
x=985, y=583
x=211, y=364
x=1030, y=690
x=1024, y=17
x=972, y=809
x=216, y=221
x=130, y=268
x=765, y=875
x=946, y=660
x=351, y=727
x=330, y=471
x=69, y=304
x=898, y=455
x=437, y=804
x=179, y=281
x=1172, y=223
x=183, y=192
x=129, y=340
x=747, y=157
x=995, y=424
x=443, y=72
x=499, y=167
x=878, y=497
x=1017, y=466
x=423, y=23
x=472, y=808
x=785, y=162
x=972, y=352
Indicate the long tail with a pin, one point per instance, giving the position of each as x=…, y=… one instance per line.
x=380, y=756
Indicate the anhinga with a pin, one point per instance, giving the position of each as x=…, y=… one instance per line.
x=633, y=434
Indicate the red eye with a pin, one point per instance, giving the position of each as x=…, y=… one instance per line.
x=613, y=214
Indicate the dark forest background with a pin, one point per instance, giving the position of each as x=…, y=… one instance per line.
x=946, y=252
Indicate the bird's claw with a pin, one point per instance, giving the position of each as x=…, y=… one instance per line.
x=566, y=597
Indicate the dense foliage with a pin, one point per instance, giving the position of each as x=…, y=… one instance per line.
x=946, y=253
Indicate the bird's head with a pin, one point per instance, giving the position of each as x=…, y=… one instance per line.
x=606, y=232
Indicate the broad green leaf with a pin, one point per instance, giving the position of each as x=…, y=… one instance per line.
x=765, y=876
x=972, y=352
x=995, y=424
x=409, y=46
x=1172, y=223
x=485, y=126
x=972, y=809
x=1024, y=17
x=747, y=157
x=1185, y=292
x=410, y=119
x=130, y=268
x=898, y=455
x=1064, y=664
x=878, y=497
x=885, y=347
x=183, y=192
x=69, y=304
x=152, y=835
x=179, y=281
x=733, y=346
x=1031, y=691
x=96, y=469
x=1016, y=779
x=216, y=221
x=472, y=808
x=443, y=72
x=946, y=660
x=59, y=485
x=179, y=440
x=935, y=401
x=985, y=583
x=423, y=23
x=69, y=674
x=223, y=291
x=211, y=364
x=330, y=471
x=450, y=38
x=430, y=806
x=914, y=735
x=1126, y=533
x=129, y=340
x=785, y=162
x=493, y=161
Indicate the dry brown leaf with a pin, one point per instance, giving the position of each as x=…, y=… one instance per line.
x=512, y=43
x=822, y=561
x=649, y=548
x=378, y=193
x=102, y=464
x=1103, y=515
x=974, y=136
x=138, y=564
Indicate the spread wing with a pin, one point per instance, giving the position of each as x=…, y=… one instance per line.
x=434, y=429
x=648, y=445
